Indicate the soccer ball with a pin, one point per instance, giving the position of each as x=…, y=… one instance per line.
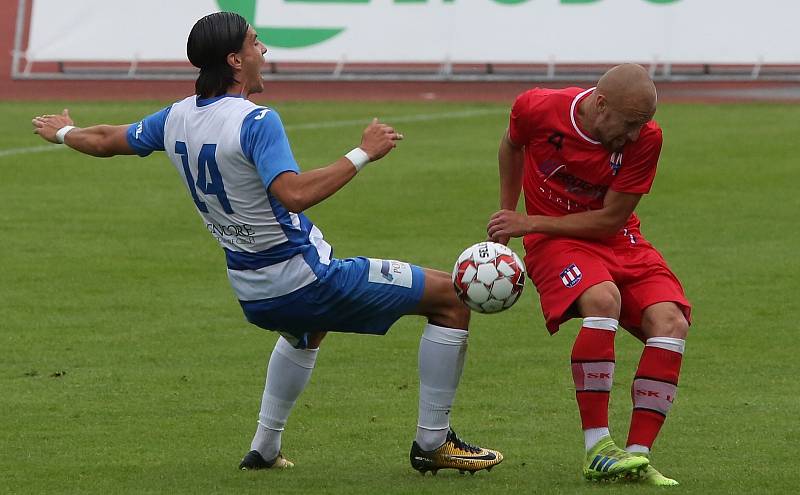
x=488, y=277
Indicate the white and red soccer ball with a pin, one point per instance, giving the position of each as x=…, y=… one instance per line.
x=488, y=277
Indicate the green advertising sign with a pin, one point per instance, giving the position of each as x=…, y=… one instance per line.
x=285, y=37
x=301, y=37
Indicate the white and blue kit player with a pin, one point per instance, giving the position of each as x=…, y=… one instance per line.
x=234, y=158
x=228, y=151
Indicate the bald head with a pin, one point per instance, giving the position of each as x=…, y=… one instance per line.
x=629, y=86
x=621, y=105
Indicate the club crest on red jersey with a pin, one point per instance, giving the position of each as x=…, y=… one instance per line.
x=615, y=162
x=571, y=275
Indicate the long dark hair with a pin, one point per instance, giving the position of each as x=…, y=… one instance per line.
x=212, y=38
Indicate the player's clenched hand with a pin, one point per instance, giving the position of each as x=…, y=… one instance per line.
x=47, y=125
x=505, y=224
x=378, y=139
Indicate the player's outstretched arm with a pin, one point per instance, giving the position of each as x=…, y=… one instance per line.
x=594, y=224
x=99, y=140
x=298, y=192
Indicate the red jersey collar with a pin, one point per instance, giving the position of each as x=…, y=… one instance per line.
x=572, y=109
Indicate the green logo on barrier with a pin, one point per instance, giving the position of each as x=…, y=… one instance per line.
x=301, y=37
x=285, y=37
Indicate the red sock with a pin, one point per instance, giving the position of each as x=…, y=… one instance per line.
x=653, y=391
x=593, y=370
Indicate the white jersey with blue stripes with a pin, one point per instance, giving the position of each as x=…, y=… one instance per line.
x=228, y=151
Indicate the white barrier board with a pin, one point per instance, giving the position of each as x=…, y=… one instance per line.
x=515, y=31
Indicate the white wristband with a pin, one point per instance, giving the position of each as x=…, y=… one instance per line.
x=358, y=157
x=61, y=133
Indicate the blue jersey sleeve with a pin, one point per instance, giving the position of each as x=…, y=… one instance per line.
x=147, y=135
x=264, y=143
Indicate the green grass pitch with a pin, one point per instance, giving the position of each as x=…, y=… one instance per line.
x=127, y=366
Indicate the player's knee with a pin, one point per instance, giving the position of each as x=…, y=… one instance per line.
x=601, y=300
x=315, y=340
x=675, y=326
x=450, y=312
x=440, y=304
x=671, y=324
x=683, y=329
x=455, y=316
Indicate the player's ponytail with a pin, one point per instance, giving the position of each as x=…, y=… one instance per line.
x=211, y=40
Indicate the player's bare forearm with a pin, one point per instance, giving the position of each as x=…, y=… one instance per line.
x=298, y=192
x=594, y=224
x=511, y=160
x=587, y=225
x=100, y=140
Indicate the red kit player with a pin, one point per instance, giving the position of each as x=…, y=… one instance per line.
x=584, y=159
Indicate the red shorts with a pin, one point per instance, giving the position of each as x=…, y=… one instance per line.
x=562, y=268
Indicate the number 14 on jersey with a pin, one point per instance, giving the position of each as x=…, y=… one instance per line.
x=209, y=180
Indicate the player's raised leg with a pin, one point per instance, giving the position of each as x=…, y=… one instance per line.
x=288, y=372
x=593, y=374
x=442, y=351
x=656, y=382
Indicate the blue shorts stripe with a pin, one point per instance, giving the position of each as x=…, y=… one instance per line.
x=240, y=260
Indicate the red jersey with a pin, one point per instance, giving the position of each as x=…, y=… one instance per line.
x=566, y=171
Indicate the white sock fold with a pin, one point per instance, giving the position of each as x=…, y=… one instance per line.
x=288, y=372
x=305, y=358
x=668, y=343
x=441, y=360
x=600, y=323
x=593, y=435
x=639, y=449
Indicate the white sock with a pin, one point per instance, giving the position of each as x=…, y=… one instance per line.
x=668, y=343
x=287, y=375
x=593, y=435
x=638, y=449
x=441, y=359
